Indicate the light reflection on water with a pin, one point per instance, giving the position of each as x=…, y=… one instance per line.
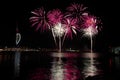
x=65, y=70
x=91, y=69
x=69, y=66
x=90, y=65
x=57, y=70
x=60, y=66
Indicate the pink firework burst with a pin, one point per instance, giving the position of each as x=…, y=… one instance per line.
x=71, y=27
x=39, y=19
x=76, y=11
x=89, y=21
x=91, y=25
x=92, y=21
x=90, y=28
x=55, y=16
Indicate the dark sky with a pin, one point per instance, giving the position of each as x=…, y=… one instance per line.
x=17, y=13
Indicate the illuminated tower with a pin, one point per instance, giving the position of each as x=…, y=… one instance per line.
x=18, y=36
x=17, y=55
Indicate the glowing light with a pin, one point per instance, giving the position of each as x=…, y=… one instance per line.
x=90, y=21
x=39, y=19
x=71, y=27
x=90, y=31
x=17, y=64
x=90, y=70
x=65, y=25
x=58, y=30
x=76, y=11
x=65, y=71
x=18, y=38
x=55, y=16
x=90, y=28
x=57, y=71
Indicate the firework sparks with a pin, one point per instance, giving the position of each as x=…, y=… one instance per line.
x=76, y=11
x=70, y=28
x=89, y=21
x=90, y=31
x=58, y=30
x=65, y=25
x=70, y=25
x=39, y=19
x=90, y=24
x=55, y=16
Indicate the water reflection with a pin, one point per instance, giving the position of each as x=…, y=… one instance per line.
x=58, y=66
x=57, y=70
x=117, y=62
x=90, y=70
x=39, y=74
x=72, y=71
x=64, y=70
x=17, y=64
x=67, y=66
x=91, y=66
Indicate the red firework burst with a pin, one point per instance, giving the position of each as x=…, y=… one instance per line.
x=91, y=25
x=88, y=21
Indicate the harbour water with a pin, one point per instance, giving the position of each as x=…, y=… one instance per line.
x=58, y=66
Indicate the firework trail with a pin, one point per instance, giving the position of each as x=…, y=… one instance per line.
x=90, y=29
x=39, y=19
x=65, y=25
x=55, y=17
x=70, y=26
x=58, y=31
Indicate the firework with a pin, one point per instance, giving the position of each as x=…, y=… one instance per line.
x=39, y=19
x=55, y=16
x=70, y=25
x=90, y=29
x=67, y=24
x=90, y=32
x=70, y=28
x=90, y=26
x=89, y=21
x=76, y=11
x=58, y=30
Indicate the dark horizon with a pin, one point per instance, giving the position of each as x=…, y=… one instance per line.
x=16, y=14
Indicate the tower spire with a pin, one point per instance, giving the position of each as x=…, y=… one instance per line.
x=18, y=36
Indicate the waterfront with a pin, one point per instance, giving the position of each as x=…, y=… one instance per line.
x=58, y=66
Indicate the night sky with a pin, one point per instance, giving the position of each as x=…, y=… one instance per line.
x=16, y=14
